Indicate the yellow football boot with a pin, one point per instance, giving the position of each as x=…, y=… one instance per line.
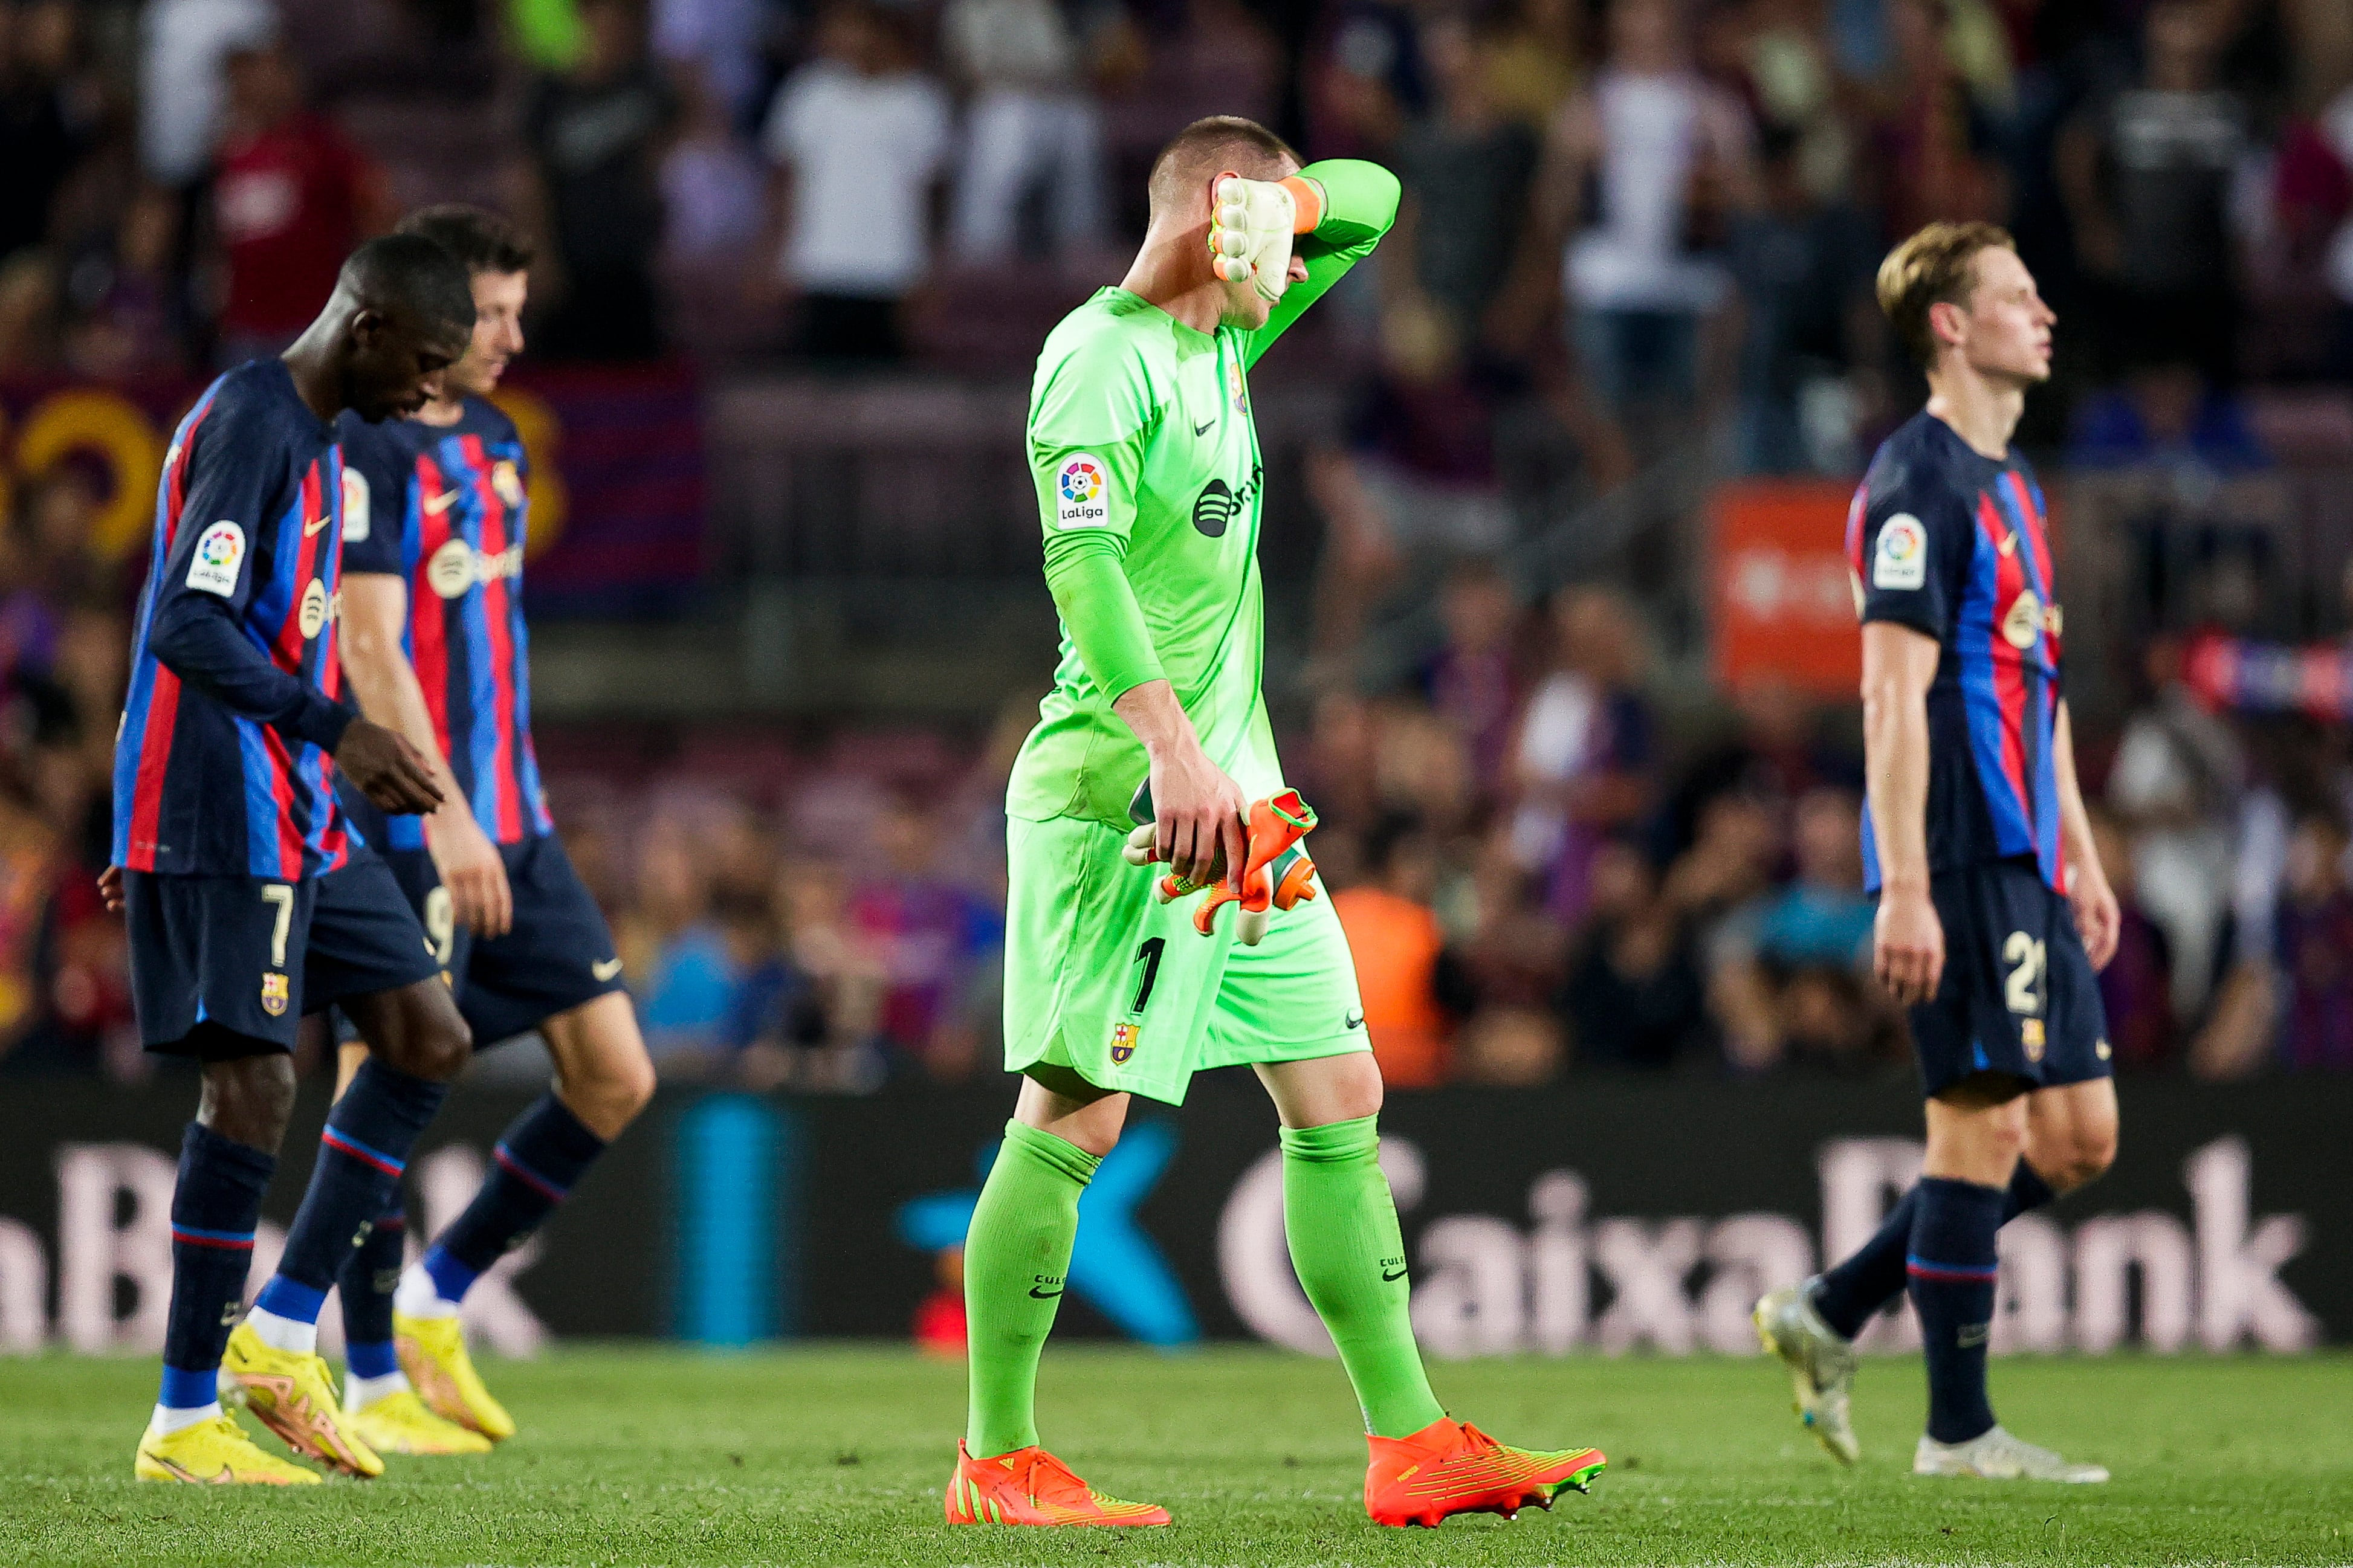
x=216, y=1452
x=294, y=1397
x=432, y=1351
x=399, y=1424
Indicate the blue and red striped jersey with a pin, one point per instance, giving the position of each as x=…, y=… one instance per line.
x=223, y=765
x=1956, y=545
x=443, y=508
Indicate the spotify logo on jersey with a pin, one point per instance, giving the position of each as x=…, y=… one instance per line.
x=1217, y=505
x=1215, y=509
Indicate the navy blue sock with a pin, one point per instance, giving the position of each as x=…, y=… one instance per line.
x=367, y=1283
x=545, y=1151
x=1873, y=1276
x=2027, y=1191
x=1951, y=1272
x=361, y=1152
x=215, y=1205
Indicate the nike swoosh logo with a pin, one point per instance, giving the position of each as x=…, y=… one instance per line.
x=1390, y=1278
x=1198, y=429
x=315, y=524
x=1044, y=1295
x=185, y=1474
x=606, y=969
x=1356, y=1019
x=434, y=505
x=2009, y=542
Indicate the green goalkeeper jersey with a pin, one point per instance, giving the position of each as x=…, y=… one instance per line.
x=1149, y=488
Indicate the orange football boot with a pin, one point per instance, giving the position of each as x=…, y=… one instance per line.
x=1029, y=1486
x=1450, y=1467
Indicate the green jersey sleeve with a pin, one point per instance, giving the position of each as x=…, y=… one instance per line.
x=1086, y=455
x=1360, y=204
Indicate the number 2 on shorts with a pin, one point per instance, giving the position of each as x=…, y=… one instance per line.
x=2028, y=957
x=282, y=895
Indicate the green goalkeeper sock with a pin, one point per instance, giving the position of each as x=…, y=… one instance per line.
x=1015, y=1259
x=1350, y=1257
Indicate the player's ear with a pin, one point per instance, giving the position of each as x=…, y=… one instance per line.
x=367, y=329
x=1944, y=320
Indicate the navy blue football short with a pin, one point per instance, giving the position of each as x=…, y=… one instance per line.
x=252, y=955
x=557, y=954
x=2017, y=996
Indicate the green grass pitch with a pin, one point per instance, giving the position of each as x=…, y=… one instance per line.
x=837, y=1455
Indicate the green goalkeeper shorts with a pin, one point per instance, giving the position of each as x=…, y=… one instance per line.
x=1122, y=990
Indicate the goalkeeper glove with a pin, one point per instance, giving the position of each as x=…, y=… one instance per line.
x=1276, y=872
x=1251, y=223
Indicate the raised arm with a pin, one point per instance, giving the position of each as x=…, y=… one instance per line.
x=1360, y=203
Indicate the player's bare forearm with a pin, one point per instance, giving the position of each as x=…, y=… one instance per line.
x=1898, y=666
x=2075, y=839
x=2098, y=919
x=1907, y=940
x=1198, y=809
x=375, y=623
x=376, y=616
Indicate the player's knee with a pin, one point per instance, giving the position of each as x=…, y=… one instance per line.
x=632, y=1087
x=608, y=1099
x=2089, y=1154
x=436, y=1047
x=1362, y=1096
x=250, y=1099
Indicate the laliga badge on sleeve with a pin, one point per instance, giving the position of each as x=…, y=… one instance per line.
x=221, y=553
x=1078, y=488
x=356, y=500
x=1902, y=561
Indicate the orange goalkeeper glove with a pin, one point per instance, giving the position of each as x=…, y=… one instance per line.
x=1276, y=872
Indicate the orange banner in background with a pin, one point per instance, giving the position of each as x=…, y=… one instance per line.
x=1780, y=595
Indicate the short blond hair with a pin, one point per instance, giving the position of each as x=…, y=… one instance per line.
x=1934, y=266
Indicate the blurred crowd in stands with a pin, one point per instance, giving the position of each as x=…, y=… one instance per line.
x=1641, y=225
x=1671, y=201
x=1540, y=871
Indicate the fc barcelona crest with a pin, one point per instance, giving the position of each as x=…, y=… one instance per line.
x=275, y=994
x=1124, y=1040
x=507, y=480
x=2031, y=1034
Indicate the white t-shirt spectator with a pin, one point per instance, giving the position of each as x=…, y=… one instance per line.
x=1023, y=44
x=183, y=45
x=1655, y=130
x=864, y=151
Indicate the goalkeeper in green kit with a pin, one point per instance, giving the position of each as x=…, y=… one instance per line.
x=1149, y=483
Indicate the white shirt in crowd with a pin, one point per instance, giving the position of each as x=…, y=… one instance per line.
x=1652, y=131
x=181, y=89
x=864, y=151
x=1011, y=43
